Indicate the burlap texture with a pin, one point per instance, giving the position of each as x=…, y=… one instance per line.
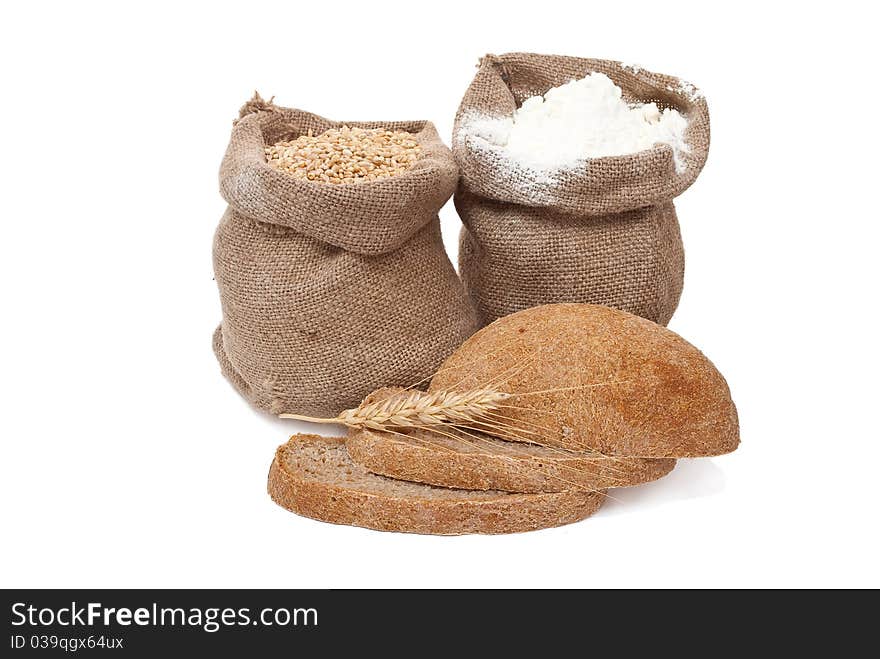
x=602, y=233
x=328, y=291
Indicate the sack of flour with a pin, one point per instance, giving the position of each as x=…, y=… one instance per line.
x=330, y=291
x=600, y=230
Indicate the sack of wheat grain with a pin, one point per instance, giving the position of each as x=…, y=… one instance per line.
x=599, y=230
x=332, y=275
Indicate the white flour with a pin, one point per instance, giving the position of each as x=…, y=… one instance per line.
x=577, y=121
x=487, y=135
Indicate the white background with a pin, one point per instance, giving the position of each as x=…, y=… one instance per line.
x=129, y=461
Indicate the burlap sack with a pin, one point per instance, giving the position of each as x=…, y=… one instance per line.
x=328, y=291
x=604, y=233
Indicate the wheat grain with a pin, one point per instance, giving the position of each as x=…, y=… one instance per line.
x=345, y=155
x=417, y=409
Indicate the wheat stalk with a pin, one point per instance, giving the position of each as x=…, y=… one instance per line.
x=417, y=409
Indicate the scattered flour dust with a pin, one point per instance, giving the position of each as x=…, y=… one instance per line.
x=688, y=89
x=574, y=122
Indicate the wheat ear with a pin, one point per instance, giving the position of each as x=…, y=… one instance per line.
x=417, y=409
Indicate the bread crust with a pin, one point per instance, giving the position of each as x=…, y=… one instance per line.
x=371, y=501
x=595, y=378
x=479, y=462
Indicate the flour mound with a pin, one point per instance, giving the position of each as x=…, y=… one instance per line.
x=579, y=120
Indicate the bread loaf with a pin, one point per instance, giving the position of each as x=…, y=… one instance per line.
x=595, y=378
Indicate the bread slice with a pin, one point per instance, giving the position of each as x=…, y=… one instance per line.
x=314, y=476
x=475, y=461
x=595, y=378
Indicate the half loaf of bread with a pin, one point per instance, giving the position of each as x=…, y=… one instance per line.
x=594, y=378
